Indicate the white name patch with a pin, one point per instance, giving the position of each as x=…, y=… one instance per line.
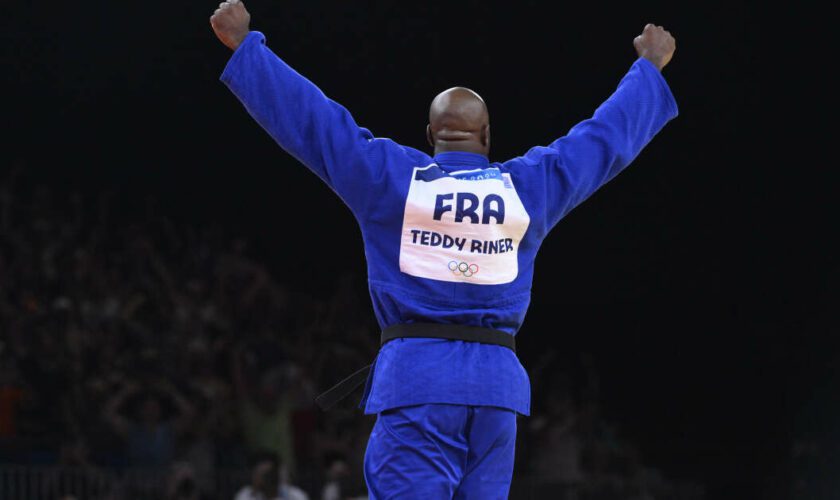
x=462, y=227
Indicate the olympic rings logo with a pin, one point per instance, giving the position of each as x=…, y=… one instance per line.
x=462, y=268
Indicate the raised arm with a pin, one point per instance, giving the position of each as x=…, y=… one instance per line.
x=317, y=131
x=595, y=150
x=113, y=409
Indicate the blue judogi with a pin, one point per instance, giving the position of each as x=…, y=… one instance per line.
x=450, y=238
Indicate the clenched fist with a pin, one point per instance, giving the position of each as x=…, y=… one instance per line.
x=231, y=23
x=656, y=45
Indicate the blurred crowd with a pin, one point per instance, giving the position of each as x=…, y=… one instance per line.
x=138, y=346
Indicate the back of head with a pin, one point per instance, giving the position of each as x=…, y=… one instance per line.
x=265, y=473
x=459, y=121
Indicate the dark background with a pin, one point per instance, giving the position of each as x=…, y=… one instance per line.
x=703, y=277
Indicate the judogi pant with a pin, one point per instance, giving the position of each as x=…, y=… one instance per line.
x=441, y=451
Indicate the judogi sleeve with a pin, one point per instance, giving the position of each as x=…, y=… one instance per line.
x=597, y=149
x=314, y=129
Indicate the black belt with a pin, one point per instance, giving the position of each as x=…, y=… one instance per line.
x=416, y=330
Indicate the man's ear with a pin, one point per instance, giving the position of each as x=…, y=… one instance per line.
x=429, y=137
x=485, y=136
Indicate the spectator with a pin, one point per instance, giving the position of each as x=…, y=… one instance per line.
x=149, y=437
x=557, y=461
x=269, y=481
x=264, y=410
x=11, y=397
x=78, y=475
x=337, y=474
x=182, y=484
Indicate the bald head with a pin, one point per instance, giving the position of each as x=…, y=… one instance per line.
x=459, y=121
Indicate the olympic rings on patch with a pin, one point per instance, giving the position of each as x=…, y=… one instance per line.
x=462, y=268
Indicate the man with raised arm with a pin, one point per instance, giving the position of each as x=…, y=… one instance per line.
x=450, y=242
